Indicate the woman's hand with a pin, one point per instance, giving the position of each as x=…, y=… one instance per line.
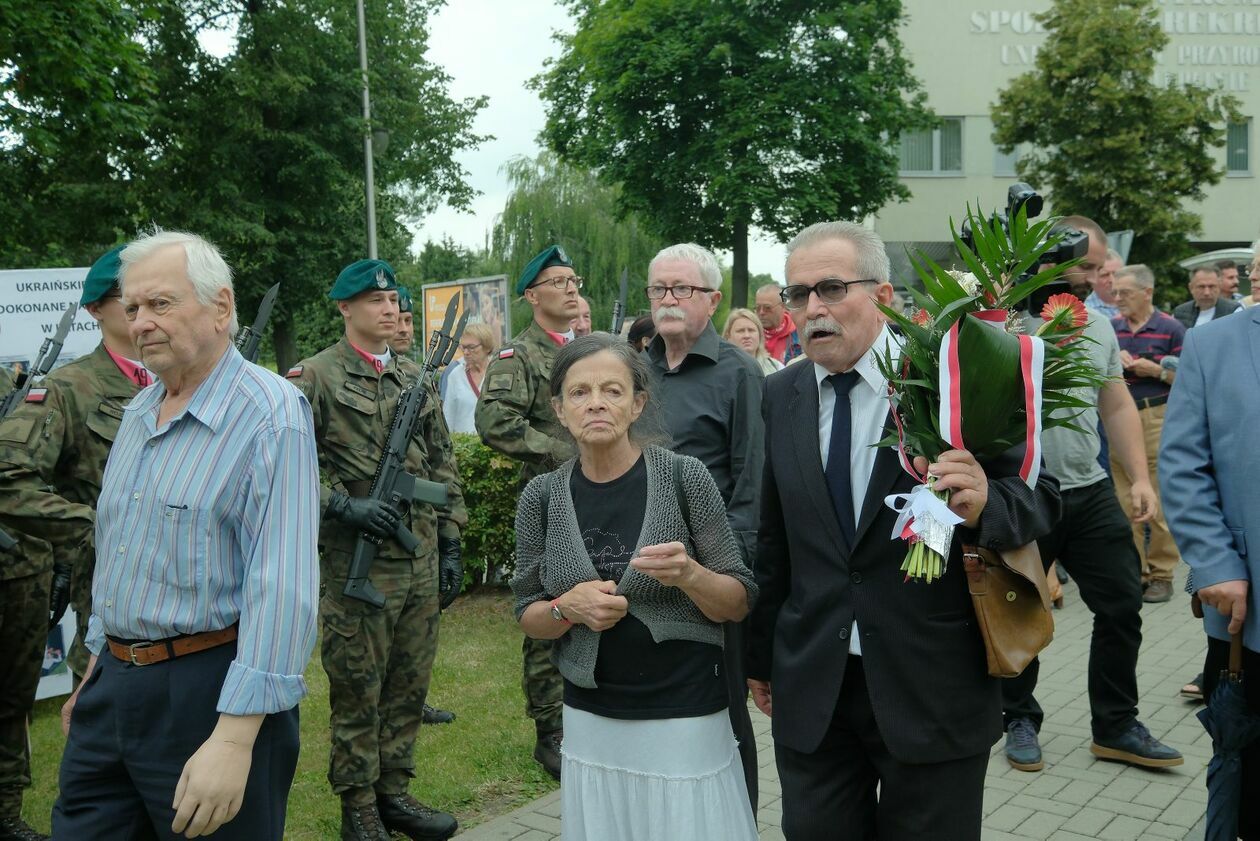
x=594, y=604
x=668, y=563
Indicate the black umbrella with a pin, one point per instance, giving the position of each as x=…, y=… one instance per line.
x=1232, y=727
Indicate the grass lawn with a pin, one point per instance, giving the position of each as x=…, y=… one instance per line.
x=477, y=767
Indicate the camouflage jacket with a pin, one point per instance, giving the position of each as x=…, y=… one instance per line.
x=514, y=414
x=353, y=407
x=53, y=450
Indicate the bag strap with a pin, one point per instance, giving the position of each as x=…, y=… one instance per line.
x=683, y=505
x=546, y=504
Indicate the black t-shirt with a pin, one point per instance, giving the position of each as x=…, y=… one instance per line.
x=635, y=676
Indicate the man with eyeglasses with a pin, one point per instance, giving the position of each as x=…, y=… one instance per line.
x=514, y=416
x=709, y=393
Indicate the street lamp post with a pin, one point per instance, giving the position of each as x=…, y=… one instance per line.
x=369, y=177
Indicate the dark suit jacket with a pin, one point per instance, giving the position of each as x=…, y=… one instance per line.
x=1188, y=312
x=922, y=652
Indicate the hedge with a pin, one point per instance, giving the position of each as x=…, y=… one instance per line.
x=490, y=491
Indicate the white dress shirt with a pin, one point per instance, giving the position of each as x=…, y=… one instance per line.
x=868, y=401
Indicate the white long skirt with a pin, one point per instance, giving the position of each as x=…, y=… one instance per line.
x=674, y=779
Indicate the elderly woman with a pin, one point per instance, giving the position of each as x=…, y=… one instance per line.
x=461, y=383
x=624, y=557
x=743, y=329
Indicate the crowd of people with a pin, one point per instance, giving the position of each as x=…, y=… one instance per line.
x=701, y=520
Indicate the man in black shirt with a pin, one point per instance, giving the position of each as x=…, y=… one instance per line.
x=709, y=394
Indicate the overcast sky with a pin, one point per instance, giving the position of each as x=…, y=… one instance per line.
x=491, y=48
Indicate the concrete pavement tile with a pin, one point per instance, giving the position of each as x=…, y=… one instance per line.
x=496, y=830
x=1182, y=813
x=1164, y=830
x=1040, y=825
x=1124, y=828
x=993, y=800
x=772, y=834
x=537, y=835
x=1078, y=792
x=1088, y=821
x=1043, y=804
x=1063, y=835
x=545, y=823
x=1007, y=817
x=1124, y=807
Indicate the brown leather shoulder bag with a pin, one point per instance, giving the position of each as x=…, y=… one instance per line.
x=1012, y=602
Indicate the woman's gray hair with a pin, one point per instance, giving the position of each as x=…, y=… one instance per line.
x=872, y=257
x=207, y=271
x=701, y=257
x=646, y=430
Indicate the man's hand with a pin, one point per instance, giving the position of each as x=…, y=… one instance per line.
x=668, y=563
x=1230, y=599
x=450, y=571
x=760, y=691
x=593, y=604
x=368, y=515
x=958, y=472
x=1143, y=503
x=212, y=786
x=1127, y=359
x=59, y=595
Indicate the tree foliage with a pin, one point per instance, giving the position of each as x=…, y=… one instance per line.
x=552, y=202
x=1109, y=140
x=714, y=115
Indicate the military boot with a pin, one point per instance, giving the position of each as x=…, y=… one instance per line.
x=403, y=813
x=362, y=823
x=547, y=752
x=16, y=829
x=432, y=715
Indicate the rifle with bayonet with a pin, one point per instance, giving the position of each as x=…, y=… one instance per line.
x=619, y=306
x=248, y=340
x=44, y=361
x=392, y=484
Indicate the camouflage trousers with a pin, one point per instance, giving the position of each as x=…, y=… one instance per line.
x=24, y=630
x=378, y=664
x=542, y=685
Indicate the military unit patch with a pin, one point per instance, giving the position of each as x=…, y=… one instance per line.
x=295, y=371
x=36, y=395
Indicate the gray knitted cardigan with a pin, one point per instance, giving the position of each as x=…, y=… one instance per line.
x=545, y=572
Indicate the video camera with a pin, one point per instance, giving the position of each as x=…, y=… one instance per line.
x=1073, y=244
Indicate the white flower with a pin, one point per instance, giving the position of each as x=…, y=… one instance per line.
x=969, y=282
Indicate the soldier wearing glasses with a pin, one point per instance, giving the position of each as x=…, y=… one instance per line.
x=710, y=402
x=515, y=417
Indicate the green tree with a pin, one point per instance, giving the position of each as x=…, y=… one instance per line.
x=553, y=202
x=718, y=115
x=1108, y=139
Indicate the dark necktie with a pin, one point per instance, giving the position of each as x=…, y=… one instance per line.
x=142, y=377
x=839, y=481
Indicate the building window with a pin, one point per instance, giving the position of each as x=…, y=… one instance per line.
x=1238, y=148
x=933, y=151
x=1004, y=163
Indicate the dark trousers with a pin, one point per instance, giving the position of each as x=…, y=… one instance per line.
x=737, y=706
x=133, y=729
x=1094, y=543
x=1218, y=659
x=831, y=795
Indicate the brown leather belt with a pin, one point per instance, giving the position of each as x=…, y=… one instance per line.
x=148, y=653
x=1151, y=402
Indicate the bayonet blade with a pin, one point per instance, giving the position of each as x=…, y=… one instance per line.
x=619, y=306
x=264, y=309
x=459, y=331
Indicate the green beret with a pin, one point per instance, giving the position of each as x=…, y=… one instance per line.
x=553, y=256
x=102, y=278
x=404, y=300
x=363, y=276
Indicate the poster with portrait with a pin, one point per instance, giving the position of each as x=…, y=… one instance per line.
x=485, y=299
x=54, y=677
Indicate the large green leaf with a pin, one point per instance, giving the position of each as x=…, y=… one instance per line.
x=991, y=386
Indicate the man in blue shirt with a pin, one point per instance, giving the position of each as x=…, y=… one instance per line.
x=204, y=596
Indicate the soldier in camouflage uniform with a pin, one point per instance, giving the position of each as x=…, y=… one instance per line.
x=378, y=661
x=53, y=449
x=515, y=417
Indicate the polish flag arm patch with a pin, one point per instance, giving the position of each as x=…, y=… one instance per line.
x=507, y=353
x=295, y=371
x=36, y=395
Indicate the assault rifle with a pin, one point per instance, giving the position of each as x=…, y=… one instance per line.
x=248, y=340
x=392, y=483
x=619, y=306
x=44, y=361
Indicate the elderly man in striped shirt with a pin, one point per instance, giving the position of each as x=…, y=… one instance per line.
x=204, y=599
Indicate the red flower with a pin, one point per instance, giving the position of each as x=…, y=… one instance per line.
x=1064, y=302
x=921, y=318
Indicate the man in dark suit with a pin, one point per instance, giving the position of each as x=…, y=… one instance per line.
x=884, y=713
x=1206, y=303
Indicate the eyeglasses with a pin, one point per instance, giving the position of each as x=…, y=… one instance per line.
x=470, y=348
x=831, y=290
x=681, y=292
x=560, y=282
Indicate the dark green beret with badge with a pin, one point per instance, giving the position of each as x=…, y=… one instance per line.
x=553, y=256
x=404, y=300
x=363, y=276
x=102, y=278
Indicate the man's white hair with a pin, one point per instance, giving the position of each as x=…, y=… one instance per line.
x=701, y=257
x=207, y=270
x=1141, y=274
x=872, y=258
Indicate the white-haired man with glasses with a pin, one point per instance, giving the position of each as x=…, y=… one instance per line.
x=709, y=394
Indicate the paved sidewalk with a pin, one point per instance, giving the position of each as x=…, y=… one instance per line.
x=1076, y=797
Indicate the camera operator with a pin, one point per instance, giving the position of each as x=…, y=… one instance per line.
x=1094, y=544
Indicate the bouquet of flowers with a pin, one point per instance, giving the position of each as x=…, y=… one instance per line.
x=966, y=376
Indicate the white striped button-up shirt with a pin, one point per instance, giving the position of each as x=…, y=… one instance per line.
x=212, y=519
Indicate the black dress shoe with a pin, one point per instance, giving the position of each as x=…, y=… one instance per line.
x=547, y=752
x=1137, y=746
x=362, y=823
x=432, y=715
x=403, y=813
x=16, y=829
